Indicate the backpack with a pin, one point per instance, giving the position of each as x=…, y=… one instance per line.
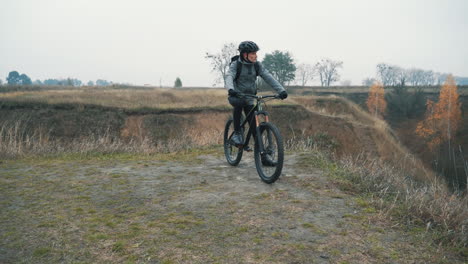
x=239, y=67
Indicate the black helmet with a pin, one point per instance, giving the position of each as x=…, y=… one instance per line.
x=248, y=46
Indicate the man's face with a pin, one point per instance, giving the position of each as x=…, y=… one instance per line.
x=252, y=56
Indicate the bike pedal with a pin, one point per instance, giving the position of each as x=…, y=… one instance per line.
x=247, y=148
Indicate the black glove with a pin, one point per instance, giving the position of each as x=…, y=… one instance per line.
x=233, y=92
x=283, y=95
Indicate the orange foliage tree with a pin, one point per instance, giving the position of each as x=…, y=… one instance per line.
x=442, y=119
x=376, y=101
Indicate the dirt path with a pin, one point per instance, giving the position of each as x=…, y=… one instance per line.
x=196, y=209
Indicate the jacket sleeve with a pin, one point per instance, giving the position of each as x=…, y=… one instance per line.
x=268, y=78
x=229, y=79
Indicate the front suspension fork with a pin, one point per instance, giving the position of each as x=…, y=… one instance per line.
x=257, y=129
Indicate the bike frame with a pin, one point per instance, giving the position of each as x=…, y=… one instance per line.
x=258, y=111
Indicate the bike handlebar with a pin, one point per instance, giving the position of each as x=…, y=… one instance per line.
x=259, y=96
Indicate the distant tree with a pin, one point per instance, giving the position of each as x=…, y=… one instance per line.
x=37, y=82
x=368, y=81
x=63, y=82
x=51, y=82
x=401, y=76
x=101, y=82
x=415, y=76
x=376, y=100
x=305, y=73
x=419, y=77
x=439, y=78
x=384, y=72
x=71, y=82
x=281, y=65
x=90, y=83
x=77, y=82
x=429, y=78
x=461, y=80
x=443, y=118
x=1, y=81
x=178, y=83
x=13, y=78
x=25, y=80
x=327, y=70
x=391, y=75
x=220, y=61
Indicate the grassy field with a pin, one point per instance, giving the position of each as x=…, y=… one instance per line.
x=128, y=98
x=190, y=207
x=156, y=98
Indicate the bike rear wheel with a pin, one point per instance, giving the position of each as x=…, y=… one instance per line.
x=269, y=160
x=233, y=154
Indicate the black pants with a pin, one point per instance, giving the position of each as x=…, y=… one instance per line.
x=237, y=113
x=240, y=105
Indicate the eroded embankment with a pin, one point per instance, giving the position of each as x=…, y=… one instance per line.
x=332, y=123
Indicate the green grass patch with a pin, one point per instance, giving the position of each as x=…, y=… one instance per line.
x=314, y=228
x=41, y=252
x=118, y=247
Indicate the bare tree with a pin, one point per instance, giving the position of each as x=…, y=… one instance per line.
x=327, y=70
x=429, y=78
x=401, y=76
x=394, y=75
x=220, y=61
x=440, y=78
x=391, y=75
x=415, y=76
x=384, y=73
x=305, y=73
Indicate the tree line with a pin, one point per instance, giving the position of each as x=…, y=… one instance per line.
x=15, y=78
x=393, y=75
x=281, y=65
x=327, y=71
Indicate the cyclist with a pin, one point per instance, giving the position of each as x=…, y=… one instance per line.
x=245, y=82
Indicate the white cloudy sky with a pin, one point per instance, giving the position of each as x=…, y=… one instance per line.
x=145, y=41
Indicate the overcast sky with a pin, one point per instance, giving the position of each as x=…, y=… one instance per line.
x=145, y=41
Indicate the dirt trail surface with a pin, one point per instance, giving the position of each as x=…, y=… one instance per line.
x=190, y=209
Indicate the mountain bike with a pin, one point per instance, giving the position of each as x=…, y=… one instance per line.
x=268, y=150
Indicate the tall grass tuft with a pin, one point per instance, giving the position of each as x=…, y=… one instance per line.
x=395, y=191
x=16, y=143
x=397, y=194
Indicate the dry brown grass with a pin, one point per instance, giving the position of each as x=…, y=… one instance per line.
x=158, y=98
x=127, y=98
x=416, y=204
x=370, y=133
x=16, y=143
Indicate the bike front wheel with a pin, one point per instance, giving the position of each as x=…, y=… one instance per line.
x=269, y=155
x=233, y=154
